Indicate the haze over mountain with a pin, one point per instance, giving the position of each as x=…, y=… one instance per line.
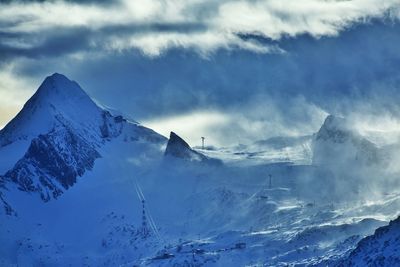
x=337, y=141
x=89, y=187
x=286, y=74
x=208, y=133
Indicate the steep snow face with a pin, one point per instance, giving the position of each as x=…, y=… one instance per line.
x=178, y=148
x=56, y=136
x=380, y=249
x=337, y=143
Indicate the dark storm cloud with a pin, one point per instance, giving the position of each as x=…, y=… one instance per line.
x=58, y=42
x=204, y=57
x=205, y=26
x=328, y=71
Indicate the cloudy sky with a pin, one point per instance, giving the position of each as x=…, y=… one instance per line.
x=233, y=71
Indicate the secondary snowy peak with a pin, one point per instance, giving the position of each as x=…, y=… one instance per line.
x=335, y=129
x=178, y=148
x=337, y=142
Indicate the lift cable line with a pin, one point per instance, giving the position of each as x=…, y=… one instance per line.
x=147, y=219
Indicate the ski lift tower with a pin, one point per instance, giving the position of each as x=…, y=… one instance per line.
x=145, y=231
x=202, y=142
x=148, y=224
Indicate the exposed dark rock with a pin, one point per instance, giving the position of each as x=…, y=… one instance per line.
x=52, y=163
x=7, y=207
x=380, y=249
x=178, y=148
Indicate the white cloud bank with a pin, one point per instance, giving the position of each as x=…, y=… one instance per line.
x=257, y=120
x=154, y=26
x=191, y=126
x=219, y=21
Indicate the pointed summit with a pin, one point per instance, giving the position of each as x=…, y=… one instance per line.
x=57, y=101
x=333, y=121
x=57, y=89
x=57, y=82
x=57, y=78
x=178, y=148
x=334, y=129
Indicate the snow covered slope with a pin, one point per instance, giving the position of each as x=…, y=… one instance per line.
x=380, y=249
x=120, y=197
x=285, y=149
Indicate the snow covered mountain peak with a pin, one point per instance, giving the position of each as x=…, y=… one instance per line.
x=58, y=101
x=57, y=81
x=61, y=96
x=337, y=142
x=333, y=121
x=58, y=88
x=57, y=136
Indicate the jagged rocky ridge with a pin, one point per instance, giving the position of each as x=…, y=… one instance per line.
x=380, y=249
x=64, y=129
x=52, y=163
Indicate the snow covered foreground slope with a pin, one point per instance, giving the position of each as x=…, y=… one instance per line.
x=124, y=203
x=380, y=249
